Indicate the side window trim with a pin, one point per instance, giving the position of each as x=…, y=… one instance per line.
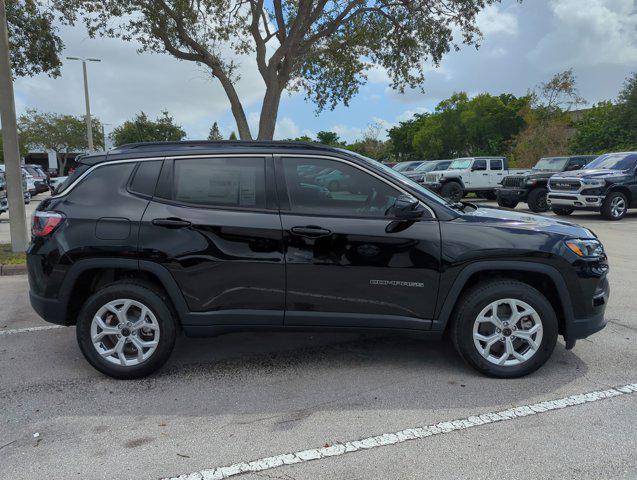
x=282, y=191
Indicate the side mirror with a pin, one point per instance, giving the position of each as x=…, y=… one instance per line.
x=405, y=207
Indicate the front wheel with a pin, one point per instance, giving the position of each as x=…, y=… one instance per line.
x=503, y=202
x=562, y=211
x=615, y=206
x=537, y=200
x=126, y=330
x=504, y=328
x=453, y=191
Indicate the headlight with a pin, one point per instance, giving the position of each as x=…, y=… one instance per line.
x=531, y=182
x=586, y=248
x=593, y=182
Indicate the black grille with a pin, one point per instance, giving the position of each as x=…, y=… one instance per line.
x=514, y=182
x=564, y=185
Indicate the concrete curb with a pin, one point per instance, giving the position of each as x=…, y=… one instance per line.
x=6, y=270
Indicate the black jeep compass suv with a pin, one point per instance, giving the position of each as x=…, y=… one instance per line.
x=213, y=237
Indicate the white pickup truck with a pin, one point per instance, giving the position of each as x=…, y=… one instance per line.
x=480, y=175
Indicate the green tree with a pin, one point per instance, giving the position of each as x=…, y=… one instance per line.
x=370, y=145
x=142, y=129
x=628, y=107
x=33, y=39
x=328, y=138
x=64, y=134
x=601, y=129
x=402, y=138
x=321, y=47
x=215, y=134
x=23, y=148
x=483, y=125
x=233, y=136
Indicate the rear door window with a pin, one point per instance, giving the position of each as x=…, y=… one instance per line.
x=235, y=182
x=496, y=164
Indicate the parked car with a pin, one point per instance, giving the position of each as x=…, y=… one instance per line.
x=40, y=177
x=418, y=175
x=334, y=180
x=4, y=204
x=25, y=185
x=607, y=185
x=404, y=167
x=532, y=188
x=479, y=175
x=214, y=237
x=56, y=182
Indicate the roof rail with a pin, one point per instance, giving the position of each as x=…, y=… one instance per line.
x=189, y=144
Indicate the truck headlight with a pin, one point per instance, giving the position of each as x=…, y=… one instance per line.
x=531, y=182
x=593, y=182
x=589, y=248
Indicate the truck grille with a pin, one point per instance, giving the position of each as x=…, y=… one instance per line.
x=515, y=182
x=564, y=185
x=430, y=178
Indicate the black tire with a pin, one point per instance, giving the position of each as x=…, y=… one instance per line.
x=615, y=206
x=562, y=211
x=489, y=195
x=503, y=202
x=537, y=200
x=479, y=297
x=150, y=297
x=453, y=191
x=333, y=186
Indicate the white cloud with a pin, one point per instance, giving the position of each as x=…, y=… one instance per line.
x=377, y=74
x=286, y=128
x=588, y=33
x=493, y=20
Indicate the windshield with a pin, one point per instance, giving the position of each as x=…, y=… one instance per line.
x=427, y=166
x=461, y=164
x=551, y=163
x=614, y=161
x=399, y=178
x=401, y=167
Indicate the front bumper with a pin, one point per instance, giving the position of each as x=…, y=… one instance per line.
x=517, y=194
x=580, y=328
x=575, y=200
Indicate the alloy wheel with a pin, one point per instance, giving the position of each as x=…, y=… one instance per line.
x=125, y=332
x=617, y=207
x=507, y=332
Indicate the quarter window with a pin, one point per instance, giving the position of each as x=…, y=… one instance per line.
x=220, y=182
x=329, y=187
x=496, y=164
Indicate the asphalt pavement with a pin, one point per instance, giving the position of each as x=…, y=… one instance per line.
x=244, y=397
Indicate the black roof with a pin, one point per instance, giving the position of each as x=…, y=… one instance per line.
x=149, y=149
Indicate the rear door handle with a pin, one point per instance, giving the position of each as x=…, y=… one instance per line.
x=171, y=222
x=310, y=231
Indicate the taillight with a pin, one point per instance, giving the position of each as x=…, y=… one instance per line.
x=45, y=222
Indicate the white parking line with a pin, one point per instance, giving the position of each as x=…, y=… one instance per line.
x=29, y=329
x=302, y=456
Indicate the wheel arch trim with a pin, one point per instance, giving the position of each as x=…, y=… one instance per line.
x=448, y=302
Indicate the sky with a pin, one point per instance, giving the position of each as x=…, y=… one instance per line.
x=524, y=44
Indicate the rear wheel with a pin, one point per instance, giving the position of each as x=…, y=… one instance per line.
x=537, y=200
x=615, y=206
x=453, y=191
x=126, y=330
x=562, y=211
x=504, y=328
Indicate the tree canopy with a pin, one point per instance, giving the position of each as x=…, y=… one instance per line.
x=64, y=134
x=322, y=47
x=33, y=39
x=143, y=129
x=215, y=134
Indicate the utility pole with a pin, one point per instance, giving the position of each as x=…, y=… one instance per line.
x=17, y=215
x=89, y=125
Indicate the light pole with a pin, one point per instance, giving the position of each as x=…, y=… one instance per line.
x=89, y=126
x=17, y=219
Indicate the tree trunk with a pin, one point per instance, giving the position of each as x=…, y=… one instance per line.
x=269, y=112
x=237, y=108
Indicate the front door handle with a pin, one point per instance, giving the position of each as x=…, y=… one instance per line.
x=310, y=231
x=171, y=222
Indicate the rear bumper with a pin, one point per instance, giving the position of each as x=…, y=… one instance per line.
x=50, y=309
x=517, y=194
